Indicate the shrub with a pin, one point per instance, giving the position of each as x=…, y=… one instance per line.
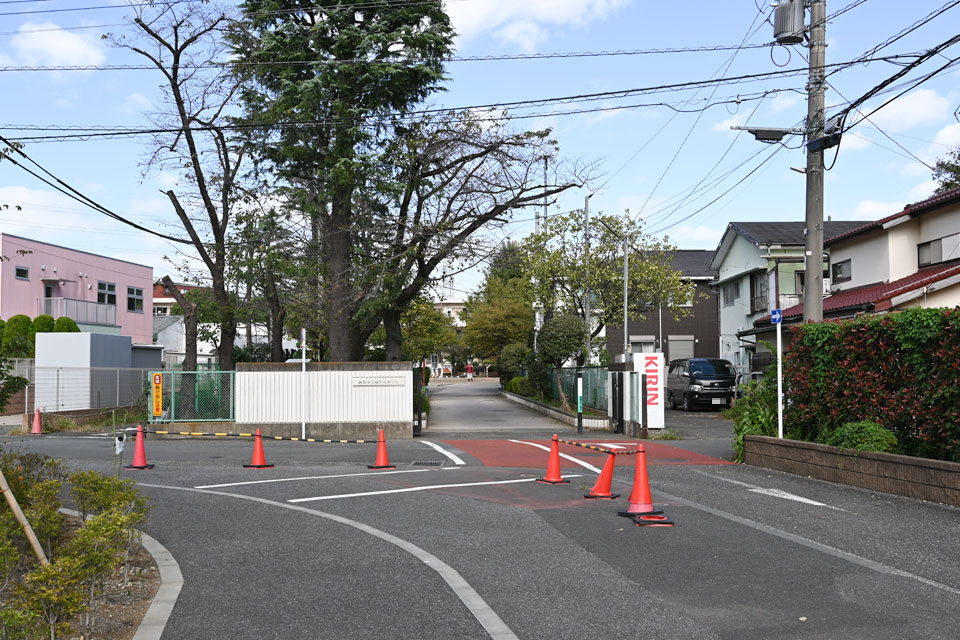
x=864, y=435
x=16, y=337
x=3, y=324
x=754, y=414
x=65, y=325
x=521, y=386
x=41, y=324
x=511, y=359
x=900, y=370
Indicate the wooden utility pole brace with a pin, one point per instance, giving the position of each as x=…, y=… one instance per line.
x=22, y=519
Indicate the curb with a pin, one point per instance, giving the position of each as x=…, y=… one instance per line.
x=171, y=581
x=593, y=424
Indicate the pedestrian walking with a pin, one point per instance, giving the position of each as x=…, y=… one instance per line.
x=469, y=372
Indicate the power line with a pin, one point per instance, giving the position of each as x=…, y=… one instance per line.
x=333, y=63
x=74, y=194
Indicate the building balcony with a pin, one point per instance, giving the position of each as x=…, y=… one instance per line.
x=80, y=311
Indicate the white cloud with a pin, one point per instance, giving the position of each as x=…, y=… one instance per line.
x=167, y=180
x=922, y=191
x=526, y=23
x=876, y=209
x=735, y=121
x=924, y=106
x=699, y=236
x=949, y=136
x=853, y=141
x=54, y=46
x=135, y=103
x=784, y=101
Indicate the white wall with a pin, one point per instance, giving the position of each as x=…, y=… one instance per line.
x=869, y=260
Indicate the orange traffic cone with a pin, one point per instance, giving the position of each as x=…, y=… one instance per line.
x=382, y=462
x=602, y=488
x=553, y=465
x=258, y=462
x=641, y=503
x=37, y=425
x=139, y=454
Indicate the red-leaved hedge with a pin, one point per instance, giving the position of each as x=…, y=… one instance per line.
x=901, y=370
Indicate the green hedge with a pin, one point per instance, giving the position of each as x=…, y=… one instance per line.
x=900, y=370
x=521, y=386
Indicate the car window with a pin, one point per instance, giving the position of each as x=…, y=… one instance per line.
x=713, y=368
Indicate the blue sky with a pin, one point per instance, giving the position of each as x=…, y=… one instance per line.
x=647, y=158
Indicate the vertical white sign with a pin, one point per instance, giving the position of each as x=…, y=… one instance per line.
x=651, y=364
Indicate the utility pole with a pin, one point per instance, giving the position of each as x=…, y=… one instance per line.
x=586, y=257
x=813, y=250
x=626, y=273
x=538, y=312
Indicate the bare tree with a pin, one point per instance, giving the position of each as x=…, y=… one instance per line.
x=183, y=42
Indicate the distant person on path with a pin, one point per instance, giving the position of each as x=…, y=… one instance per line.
x=469, y=372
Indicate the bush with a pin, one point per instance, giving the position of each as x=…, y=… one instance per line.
x=65, y=325
x=864, y=435
x=511, y=359
x=16, y=337
x=900, y=370
x=522, y=386
x=754, y=414
x=41, y=324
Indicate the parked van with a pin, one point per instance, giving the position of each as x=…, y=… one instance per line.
x=701, y=382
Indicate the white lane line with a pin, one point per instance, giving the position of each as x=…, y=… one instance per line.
x=341, y=475
x=879, y=567
x=585, y=465
x=776, y=493
x=452, y=456
x=494, y=625
x=426, y=488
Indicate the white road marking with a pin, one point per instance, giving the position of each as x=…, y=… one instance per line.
x=585, y=465
x=452, y=456
x=410, y=489
x=776, y=493
x=341, y=475
x=494, y=625
x=612, y=445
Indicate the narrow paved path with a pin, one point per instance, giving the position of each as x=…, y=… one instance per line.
x=458, y=407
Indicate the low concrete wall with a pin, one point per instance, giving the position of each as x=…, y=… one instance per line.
x=325, y=431
x=556, y=414
x=919, y=478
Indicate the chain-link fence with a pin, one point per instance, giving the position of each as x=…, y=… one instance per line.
x=194, y=396
x=594, y=385
x=58, y=389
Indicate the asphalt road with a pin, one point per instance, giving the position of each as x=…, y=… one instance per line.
x=321, y=547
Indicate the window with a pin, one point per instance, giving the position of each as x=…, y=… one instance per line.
x=930, y=253
x=730, y=293
x=106, y=293
x=841, y=271
x=758, y=292
x=135, y=299
x=160, y=311
x=22, y=273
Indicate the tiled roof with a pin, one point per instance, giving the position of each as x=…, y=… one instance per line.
x=875, y=294
x=916, y=208
x=693, y=263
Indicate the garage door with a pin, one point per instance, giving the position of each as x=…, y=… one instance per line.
x=679, y=347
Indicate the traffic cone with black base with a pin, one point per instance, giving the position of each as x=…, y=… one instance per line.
x=139, y=453
x=258, y=462
x=553, y=465
x=602, y=488
x=37, y=424
x=382, y=462
x=641, y=503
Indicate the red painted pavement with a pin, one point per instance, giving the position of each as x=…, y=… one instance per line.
x=503, y=453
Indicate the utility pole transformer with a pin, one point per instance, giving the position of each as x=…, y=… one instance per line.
x=813, y=250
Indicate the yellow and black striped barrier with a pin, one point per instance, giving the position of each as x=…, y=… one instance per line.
x=250, y=435
x=615, y=452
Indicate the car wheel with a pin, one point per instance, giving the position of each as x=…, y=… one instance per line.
x=673, y=401
x=687, y=406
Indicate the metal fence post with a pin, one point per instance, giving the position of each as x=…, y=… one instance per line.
x=173, y=395
x=58, y=389
x=233, y=382
x=118, y=389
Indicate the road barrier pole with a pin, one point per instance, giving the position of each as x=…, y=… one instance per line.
x=579, y=402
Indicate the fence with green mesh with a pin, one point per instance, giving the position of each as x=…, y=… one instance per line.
x=594, y=385
x=195, y=396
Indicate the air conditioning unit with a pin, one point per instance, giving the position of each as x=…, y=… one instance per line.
x=788, y=22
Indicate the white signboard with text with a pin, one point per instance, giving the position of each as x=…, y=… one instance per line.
x=651, y=364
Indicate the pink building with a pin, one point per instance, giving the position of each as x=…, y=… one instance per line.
x=101, y=294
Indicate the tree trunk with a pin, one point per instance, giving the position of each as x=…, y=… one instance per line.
x=563, y=397
x=339, y=290
x=391, y=323
x=189, y=323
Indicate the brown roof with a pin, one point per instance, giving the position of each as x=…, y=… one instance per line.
x=915, y=209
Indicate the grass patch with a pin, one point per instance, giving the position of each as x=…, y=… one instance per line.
x=664, y=434
x=94, y=423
